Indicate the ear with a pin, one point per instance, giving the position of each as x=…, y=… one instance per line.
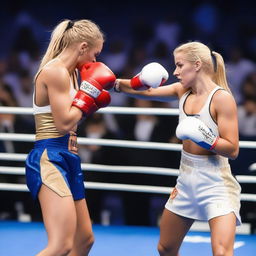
x=198, y=65
x=83, y=47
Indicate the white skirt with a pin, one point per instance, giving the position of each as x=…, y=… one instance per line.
x=205, y=188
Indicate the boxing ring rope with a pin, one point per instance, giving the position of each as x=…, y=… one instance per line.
x=115, y=143
x=114, y=186
x=108, y=110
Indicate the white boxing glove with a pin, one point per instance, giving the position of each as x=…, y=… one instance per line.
x=194, y=129
x=151, y=75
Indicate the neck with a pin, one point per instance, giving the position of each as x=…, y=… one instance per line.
x=203, y=85
x=69, y=59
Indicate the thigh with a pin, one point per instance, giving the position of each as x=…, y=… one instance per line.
x=59, y=215
x=173, y=229
x=223, y=229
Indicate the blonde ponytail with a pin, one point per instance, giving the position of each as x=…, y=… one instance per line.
x=219, y=74
x=56, y=45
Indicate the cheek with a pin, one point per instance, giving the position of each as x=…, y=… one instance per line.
x=91, y=57
x=188, y=74
x=87, y=57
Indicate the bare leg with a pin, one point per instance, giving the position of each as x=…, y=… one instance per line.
x=59, y=217
x=84, y=236
x=223, y=229
x=173, y=229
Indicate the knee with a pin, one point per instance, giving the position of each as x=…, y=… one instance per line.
x=89, y=241
x=63, y=250
x=167, y=250
x=220, y=251
x=86, y=243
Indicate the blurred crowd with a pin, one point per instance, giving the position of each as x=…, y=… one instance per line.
x=131, y=42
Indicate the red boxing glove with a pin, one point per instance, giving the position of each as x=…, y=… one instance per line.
x=103, y=100
x=96, y=76
x=90, y=105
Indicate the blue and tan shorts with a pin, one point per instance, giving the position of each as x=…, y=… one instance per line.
x=52, y=164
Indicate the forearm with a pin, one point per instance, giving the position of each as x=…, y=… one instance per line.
x=156, y=94
x=226, y=148
x=68, y=119
x=124, y=85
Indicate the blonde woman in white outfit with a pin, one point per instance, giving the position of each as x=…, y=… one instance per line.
x=205, y=189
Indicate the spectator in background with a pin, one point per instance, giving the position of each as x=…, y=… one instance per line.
x=11, y=123
x=248, y=88
x=12, y=70
x=161, y=54
x=27, y=47
x=23, y=32
x=24, y=94
x=116, y=57
x=168, y=31
x=142, y=32
x=205, y=21
x=247, y=132
x=238, y=68
x=99, y=201
x=148, y=128
x=95, y=127
x=7, y=121
x=24, y=91
x=247, y=118
x=138, y=56
x=8, y=97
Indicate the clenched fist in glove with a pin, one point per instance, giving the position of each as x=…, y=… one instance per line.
x=194, y=129
x=90, y=105
x=151, y=75
x=95, y=77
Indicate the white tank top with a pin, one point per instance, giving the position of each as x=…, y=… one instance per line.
x=204, y=114
x=47, y=109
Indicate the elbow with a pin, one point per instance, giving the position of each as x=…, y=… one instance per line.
x=234, y=154
x=64, y=128
x=65, y=125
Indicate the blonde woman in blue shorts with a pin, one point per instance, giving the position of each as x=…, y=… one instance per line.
x=53, y=167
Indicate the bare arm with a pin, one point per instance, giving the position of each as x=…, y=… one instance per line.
x=226, y=111
x=57, y=81
x=162, y=93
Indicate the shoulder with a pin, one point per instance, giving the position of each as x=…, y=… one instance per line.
x=54, y=74
x=177, y=88
x=223, y=100
x=222, y=95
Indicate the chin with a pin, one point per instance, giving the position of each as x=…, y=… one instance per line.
x=184, y=85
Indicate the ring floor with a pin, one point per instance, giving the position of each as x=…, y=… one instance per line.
x=27, y=239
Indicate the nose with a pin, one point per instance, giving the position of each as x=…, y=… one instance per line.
x=175, y=73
